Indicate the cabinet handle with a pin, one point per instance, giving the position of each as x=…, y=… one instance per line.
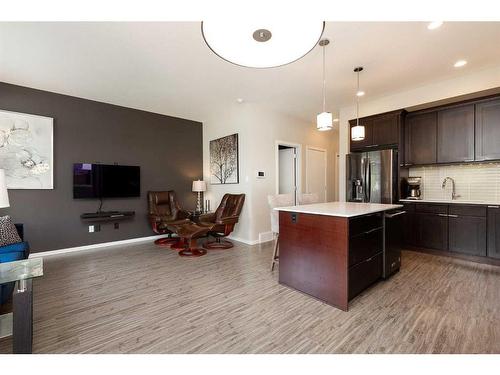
x=452, y=215
x=390, y=216
x=493, y=206
x=371, y=230
x=443, y=215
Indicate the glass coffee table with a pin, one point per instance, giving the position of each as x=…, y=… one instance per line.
x=19, y=323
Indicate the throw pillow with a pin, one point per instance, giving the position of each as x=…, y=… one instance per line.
x=8, y=232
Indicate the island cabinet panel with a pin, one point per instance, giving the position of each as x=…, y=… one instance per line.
x=421, y=138
x=314, y=256
x=488, y=130
x=455, y=134
x=364, y=274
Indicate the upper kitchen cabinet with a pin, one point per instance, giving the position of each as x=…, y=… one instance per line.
x=488, y=130
x=421, y=138
x=368, y=141
x=380, y=130
x=455, y=134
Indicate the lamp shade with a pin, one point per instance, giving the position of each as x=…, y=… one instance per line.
x=358, y=133
x=199, y=186
x=324, y=121
x=262, y=44
x=4, y=196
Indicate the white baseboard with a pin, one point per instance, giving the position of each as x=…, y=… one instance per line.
x=266, y=237
x=247, y=242
x=95, y=246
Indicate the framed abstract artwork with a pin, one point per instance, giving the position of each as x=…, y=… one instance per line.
x=26, y=150
x=224, y=160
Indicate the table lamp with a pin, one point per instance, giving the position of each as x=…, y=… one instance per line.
x=4, y=196
x=198, y=187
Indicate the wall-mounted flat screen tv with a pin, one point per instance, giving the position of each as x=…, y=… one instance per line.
x=106, y=181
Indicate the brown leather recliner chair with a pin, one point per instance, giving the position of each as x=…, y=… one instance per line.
x=223, y=220
x=164, y=210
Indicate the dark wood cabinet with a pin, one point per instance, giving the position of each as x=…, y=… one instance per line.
x=368, y=141
x=455, y=134
x=488, y=130
x=431, y=230
x=467, y=235
x=409, y=233
x=381, y=131
x=421, y=138
x=493, y=232
x=386, y=129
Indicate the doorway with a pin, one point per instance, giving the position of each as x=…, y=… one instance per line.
x=316, y=181
x=288, y=168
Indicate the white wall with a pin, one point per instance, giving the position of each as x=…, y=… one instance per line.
x=468, y=83
x=259, y=128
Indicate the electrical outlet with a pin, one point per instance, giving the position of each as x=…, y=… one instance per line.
x=91, y=229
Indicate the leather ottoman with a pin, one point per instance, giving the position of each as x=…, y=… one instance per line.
x=189, y=233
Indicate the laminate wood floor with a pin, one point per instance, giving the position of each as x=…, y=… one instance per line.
x=147, y=299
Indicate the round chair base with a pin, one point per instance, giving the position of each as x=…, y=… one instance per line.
x=218, y=245
x=178, y=245
x=166, y=241
x=192, y=252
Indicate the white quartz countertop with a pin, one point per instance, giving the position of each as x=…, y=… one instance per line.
x=489, y=203
x=340, y=209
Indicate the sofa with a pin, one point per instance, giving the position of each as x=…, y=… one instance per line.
x=11, y=253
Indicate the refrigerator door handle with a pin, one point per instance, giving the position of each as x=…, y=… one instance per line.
x=369, y=177
x=365, y=168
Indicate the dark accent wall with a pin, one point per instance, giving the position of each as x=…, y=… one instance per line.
x=169, y=151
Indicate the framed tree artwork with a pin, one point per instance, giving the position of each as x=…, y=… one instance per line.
x=224, y=160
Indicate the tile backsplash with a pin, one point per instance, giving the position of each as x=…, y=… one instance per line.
x=472, y=181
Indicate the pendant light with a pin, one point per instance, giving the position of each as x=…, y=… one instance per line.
x=261, y=44
x=358, y=131
x=324, y=120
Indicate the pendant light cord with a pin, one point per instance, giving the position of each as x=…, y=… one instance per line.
x=357, y=103
x=324, y=81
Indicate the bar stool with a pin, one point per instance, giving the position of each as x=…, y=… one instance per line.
x=279, y=200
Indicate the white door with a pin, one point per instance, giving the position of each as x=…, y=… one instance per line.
x=316, y=172
x=287, y=170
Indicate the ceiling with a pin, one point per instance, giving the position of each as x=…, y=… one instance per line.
x=167, y=68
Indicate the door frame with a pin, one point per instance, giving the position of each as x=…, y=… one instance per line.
x=298, y=166
x=314, y=148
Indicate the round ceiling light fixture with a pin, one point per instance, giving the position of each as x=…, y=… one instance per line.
x=254, y=45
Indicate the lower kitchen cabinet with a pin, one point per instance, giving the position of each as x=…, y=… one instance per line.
x=431, y=230
x=457, y=228
x=493, y=232
x=467, y=235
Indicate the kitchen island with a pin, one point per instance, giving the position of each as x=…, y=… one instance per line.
x=332, y=251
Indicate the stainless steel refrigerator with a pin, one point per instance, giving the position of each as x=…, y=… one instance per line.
x=372, y=176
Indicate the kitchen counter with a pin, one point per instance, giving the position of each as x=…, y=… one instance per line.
x=333, y=251
x=456, y=201
x=340, y=209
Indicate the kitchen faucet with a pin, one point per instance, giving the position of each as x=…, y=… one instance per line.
x=453, y=192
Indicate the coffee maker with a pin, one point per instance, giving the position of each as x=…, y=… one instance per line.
x=414, y=188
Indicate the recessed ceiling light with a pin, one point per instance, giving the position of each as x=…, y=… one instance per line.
x=360, y=93
x=335, y=120
x=460, y=63
x=434, y=25
x=240, y=100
